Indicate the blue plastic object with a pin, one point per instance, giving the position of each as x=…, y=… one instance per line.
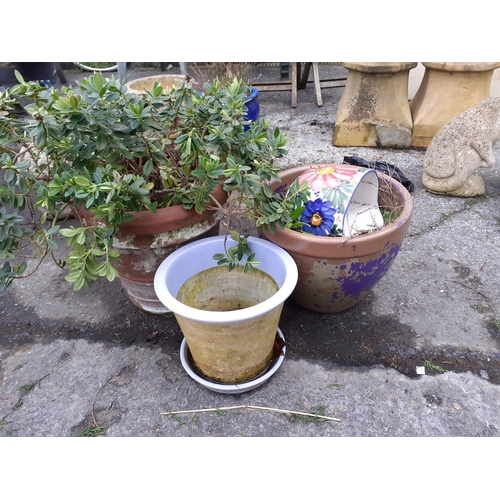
x=253, y=106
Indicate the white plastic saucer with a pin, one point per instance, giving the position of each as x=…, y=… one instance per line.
x=230, y=388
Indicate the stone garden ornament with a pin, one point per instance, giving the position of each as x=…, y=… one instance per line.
x=460, y=148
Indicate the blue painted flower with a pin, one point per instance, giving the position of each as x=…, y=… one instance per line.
x=319, y=217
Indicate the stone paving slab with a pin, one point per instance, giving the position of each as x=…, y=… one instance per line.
x=69, y=360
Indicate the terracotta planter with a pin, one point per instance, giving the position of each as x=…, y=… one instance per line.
x=145, y=242
x=141, y=85
x=335, y=273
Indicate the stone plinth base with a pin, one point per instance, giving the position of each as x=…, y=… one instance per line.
x=374, y=108
x=447, y=89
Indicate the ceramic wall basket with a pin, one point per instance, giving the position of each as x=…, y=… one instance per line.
x=353, y=193
x=335, y=273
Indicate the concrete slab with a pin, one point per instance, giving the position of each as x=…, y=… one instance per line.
x=73, y=360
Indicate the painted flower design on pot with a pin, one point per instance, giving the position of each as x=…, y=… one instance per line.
x=332, y=182
x=327, y=175
x=318, y=217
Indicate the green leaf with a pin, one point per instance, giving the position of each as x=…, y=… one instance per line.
x=9, y=176
x=21, y=268
x=101, y=141
x=79, y=283
x=19, y=77
x=157, y=89
x=41, y=137
x=80, y=239
x=297, y=212
x=53, y=230
x=81, y=181
x=111, y=273
x=98, y=81
x=148, y=168
x=235, y=236
x=68, y=232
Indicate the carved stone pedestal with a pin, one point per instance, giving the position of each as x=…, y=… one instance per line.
x=374, y=108
x=447, y=89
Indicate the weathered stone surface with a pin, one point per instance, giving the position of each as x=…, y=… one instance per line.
x=374, y=110
x=460, y=148
x=447, y=89
x=393, y=136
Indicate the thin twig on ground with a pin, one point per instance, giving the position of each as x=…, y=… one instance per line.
x=95, y=397
x=250, y=407
x=470, y=288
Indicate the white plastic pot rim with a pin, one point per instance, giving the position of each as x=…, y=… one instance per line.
x=196, y=256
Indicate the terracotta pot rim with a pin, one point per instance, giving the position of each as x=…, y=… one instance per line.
x=342, y=241
x=175, y=214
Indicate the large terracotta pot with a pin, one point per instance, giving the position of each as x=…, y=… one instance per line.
x=335, y=273
x=145, y=242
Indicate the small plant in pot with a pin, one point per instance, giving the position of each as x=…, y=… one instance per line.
x=225, y=72
x=147, y=171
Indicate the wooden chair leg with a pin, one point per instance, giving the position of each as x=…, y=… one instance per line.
x=294, y=85
x=317, y=84
x=60, y=73
x=305, y=75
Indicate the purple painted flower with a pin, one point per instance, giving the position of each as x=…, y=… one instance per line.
x=281, y=190
x=319, y=217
